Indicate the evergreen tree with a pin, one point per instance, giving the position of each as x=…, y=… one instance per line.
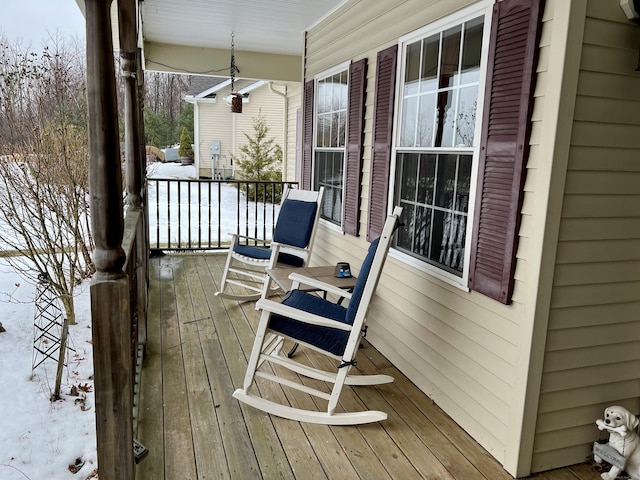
x=185, y=149
x=261, y=160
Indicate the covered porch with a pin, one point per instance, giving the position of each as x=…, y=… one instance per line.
x=196, y=353
x=196, y=345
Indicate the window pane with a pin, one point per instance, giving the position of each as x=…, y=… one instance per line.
x=422, y=229
x=466, y=118
x=446, y=181
x=446, y=118
x=463, y=183
x=447, y=245
x=435, y=228
x=426, y=120
x=408, y=128
x=322, y=106
x=412, y=68
x=404, y=236
x=450, y=57
x=409, y=176
x=341, y=129
x=430, y=55
x=427, y=179
x=471, y=51
x=329, y=174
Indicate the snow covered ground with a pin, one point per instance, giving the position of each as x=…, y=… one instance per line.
x=39, y=439
x=193, y=210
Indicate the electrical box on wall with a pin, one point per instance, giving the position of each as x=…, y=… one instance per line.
x=631, y=9
x=215, y=147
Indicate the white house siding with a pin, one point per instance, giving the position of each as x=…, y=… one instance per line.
x=592, y=355
x=469, y=353
x=293, y=152
x=207, y=125
x=216, y=122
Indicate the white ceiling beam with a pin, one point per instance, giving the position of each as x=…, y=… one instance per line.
x=215, y=61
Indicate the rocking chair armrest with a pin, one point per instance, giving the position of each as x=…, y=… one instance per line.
x=300, y=315
x=288, y=247
x=298, y=278
x=245, y=237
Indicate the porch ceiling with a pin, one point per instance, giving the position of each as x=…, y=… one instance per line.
x=194, y=36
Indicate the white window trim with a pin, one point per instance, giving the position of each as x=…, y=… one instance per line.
x=320, y=76
x=481, y=8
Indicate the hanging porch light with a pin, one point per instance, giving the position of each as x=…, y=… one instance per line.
x=236, y=97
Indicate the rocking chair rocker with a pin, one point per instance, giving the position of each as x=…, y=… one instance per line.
x=292, y=243
x=324, y=326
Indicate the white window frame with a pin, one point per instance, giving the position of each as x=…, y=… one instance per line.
x=455, y=19
x=343, y=67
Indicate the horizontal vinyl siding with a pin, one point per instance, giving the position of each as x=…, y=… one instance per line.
x=592, y=355
x=462, y=349
x=212, y=127
x=294, y=138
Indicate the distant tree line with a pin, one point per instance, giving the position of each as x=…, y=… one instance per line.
x=44, y=188
x=165, y=111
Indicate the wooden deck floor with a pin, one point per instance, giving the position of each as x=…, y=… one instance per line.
x=194, y=429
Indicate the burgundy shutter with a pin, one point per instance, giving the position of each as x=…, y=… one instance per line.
x=307, y=133
x=355, y=134
x=382, y=131
x=504, y=145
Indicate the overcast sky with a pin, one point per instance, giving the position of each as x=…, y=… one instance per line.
x=34, y=21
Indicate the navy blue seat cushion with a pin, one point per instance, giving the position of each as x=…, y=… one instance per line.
x=264, y=253
x=358, y=288
x=295, y=223
x=328, y=339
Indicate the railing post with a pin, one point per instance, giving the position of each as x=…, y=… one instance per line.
x=135, y=158
x=110, y=287
x=129, y=72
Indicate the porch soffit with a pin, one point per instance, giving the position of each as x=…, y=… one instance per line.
x=194, y=36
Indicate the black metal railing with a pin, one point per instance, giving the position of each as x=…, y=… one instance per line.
x=202, y=214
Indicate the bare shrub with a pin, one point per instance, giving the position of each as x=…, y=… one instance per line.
x=44, y=201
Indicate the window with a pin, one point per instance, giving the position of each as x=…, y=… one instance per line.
x=436, y=142
x=432, y=136
x=330, y=139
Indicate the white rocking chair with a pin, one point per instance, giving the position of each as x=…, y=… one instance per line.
x=292, y=242
x=324, y=326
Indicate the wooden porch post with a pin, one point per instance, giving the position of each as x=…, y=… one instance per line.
x=109, y=288
x=129, y=65
x=135, y=153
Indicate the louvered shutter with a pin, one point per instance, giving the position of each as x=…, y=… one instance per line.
x=307, y=133
x=504, y=145
x=382, y=131
x=355, y=134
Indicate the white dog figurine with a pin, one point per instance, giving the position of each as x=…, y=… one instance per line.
x=621, y=425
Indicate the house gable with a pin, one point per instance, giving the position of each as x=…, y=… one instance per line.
x=216, y=127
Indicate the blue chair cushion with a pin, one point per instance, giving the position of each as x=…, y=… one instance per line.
x=358, y=288
x=264, y=253
x=328, y=339
x=295, y=223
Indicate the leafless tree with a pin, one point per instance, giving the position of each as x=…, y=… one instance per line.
x=164, y=92
x=44, y=209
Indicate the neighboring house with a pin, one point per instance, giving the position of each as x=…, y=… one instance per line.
x=218, y=133
x=512, y=294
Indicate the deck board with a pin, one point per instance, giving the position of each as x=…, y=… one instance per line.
x=196, y=355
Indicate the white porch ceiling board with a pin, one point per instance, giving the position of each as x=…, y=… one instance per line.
x=270, y=26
